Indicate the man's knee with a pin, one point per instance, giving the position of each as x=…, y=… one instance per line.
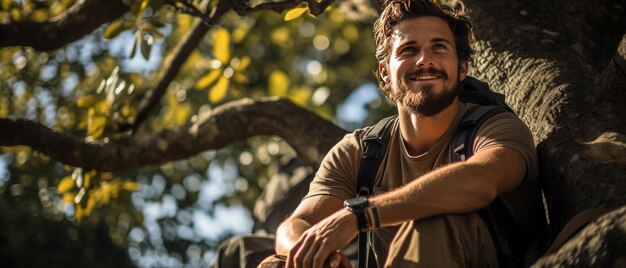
x=451, y=240
x=273, y=261
x=244, y=251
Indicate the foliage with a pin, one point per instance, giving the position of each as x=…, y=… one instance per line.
x=89, y=88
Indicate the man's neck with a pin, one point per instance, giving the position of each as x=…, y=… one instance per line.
x=420, y=133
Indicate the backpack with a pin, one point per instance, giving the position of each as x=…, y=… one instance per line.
x=497, y=217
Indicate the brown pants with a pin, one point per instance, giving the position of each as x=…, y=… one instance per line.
x=453, y=240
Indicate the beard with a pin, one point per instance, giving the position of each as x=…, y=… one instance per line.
x=425, y=102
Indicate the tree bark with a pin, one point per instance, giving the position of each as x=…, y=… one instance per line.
x=551, y=62
x=68, y=27
x=310, y=135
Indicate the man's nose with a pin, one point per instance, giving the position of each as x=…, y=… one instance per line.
x=424, y=58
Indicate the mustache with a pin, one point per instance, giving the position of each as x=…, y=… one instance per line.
x=430, y=70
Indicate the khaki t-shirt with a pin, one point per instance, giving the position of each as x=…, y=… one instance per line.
x=337, y=175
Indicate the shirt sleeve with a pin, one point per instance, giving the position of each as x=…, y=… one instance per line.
x=508, y=130
x=337, y=174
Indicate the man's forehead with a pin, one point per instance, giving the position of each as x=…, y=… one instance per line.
x=422, y=27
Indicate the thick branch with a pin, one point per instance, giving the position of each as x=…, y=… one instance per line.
x=77, y=22
x=310, y=135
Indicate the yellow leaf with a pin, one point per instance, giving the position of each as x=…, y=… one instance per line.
x=86, y=101
x=128, y=111
x=218, y=92
x=91, y=204
x=278, y=83
x=240, y=78
x=87, y=178
x=295, y=13
x=221, y=45
x=208, y=79
x=96, y=125
x=105, y=191
x=39, y=15
x=243, y=64
x=130, y=186
x=281, y=37
x=102, y=107
x=16, y=14
x=68, y=197
x=65, y=185
x=300, y=95
x=79, y=213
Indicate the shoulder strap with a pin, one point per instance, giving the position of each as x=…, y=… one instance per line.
x=375, y=142
x=473, y=119
x=374, y=146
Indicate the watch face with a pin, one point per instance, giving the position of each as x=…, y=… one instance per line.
x=357, y=202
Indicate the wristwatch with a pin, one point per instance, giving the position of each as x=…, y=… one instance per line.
x=357, y=206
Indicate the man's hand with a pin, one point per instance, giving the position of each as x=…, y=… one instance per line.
x=317, y=247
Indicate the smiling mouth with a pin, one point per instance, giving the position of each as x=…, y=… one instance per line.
x=424, y=77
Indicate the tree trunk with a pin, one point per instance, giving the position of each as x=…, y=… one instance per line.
x=557, y=65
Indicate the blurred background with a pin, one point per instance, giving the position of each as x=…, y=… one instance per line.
x=175, y=214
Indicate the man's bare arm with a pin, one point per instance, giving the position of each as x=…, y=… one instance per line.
x=310, y=211
x=455, y=188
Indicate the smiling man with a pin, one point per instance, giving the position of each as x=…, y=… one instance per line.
x=423, y=211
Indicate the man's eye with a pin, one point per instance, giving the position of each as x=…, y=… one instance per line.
x=439, y=47
x=407, y=50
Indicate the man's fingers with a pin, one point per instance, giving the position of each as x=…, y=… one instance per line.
x=310, y=260
x=345, y=261
x=299, y=260
x=292, y=253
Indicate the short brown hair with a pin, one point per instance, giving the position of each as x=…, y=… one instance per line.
x=395, y=11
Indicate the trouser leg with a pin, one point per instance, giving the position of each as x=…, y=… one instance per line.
x=452, y=240
x=244, y=251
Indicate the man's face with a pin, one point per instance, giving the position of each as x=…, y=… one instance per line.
x=423, y=69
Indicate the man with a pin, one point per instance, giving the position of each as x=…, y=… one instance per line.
x=425, y=205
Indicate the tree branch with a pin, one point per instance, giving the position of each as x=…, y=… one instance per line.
x=315, y=8
x=172, y=65
x=75, y=23
x=310, y=135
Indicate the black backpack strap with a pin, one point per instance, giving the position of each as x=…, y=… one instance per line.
x=374, y=146
x=496, y=212
x=375, y=142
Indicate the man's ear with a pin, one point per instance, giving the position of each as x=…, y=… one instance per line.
x=463, y=66
x=383, y=73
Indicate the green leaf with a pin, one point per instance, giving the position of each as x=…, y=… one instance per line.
x=136, y=44
x=146, y=46
x=138, y=7
x=208, y=79
x=116, y=28
x=221, y=45
x=156, y=4
x=295, y=13
x=66, y=184
x=278, y=83
x=218, y=92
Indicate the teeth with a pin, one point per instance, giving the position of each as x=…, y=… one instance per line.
x=426, y=77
